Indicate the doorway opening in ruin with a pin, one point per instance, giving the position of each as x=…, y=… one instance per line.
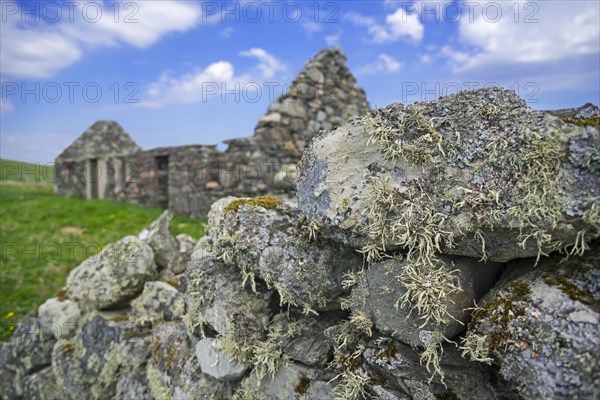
x=94, y=178
x=162, y=181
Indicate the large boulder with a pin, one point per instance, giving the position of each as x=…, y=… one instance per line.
x=270, y=240
x=541, y=325
x=112, y=277
x=477, y=174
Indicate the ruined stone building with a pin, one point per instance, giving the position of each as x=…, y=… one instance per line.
x=105, y=163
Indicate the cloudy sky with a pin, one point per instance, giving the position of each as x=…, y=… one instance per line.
x=184, y=72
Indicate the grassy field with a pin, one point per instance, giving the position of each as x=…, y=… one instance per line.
x=44, y=236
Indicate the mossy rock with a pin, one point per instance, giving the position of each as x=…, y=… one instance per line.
x=477, y=174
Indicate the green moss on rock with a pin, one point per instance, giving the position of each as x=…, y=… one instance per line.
x=267, y=202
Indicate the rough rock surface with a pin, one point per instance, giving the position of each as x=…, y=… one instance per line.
x=113, y=276
x=542, y=326
x=379, y=293
x=216, y=363
x=477, y=174
x=169, y=252
x=60, y=317
x=309, y=317
x=273, y=242
x=159, y=301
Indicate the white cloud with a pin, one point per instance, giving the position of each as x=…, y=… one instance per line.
x=398, y=25
x=425, y=59
x=226, y=33
x=564, y=30
x=28, y=53
x=384, y=64
x=268, y=64
x=334, y=39
x=311, y=27
x=208, y=83
x=199, y=85
x=6, y=107
x=41, y=50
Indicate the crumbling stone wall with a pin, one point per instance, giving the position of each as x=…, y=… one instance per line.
x=356, y=298
x=322, y=96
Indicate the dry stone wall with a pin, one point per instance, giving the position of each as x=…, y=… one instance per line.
x=284, y=301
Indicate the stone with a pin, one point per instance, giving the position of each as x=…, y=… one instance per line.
x=87, y=366
x=30, y=347
x=112, y=277
x=540, y=325
x=160, y=239
x=462, y=173
x=159, y=301
x=218, y=300
x=59, y=317
x=291, y=382
x=216, y=363
x=40, y=385
x=311, y=347
x=379, y=293
x=272, y=242
x=285, y=177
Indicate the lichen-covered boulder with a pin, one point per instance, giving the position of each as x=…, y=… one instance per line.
x=29, y=351
x=216, y=363
x=40, y=385
x=541, y=325
x=59, y=316
x=88, y=365
x=112, y=277
x=159, y=301
x=269, y=239
x=477, y=174
x=388, y=294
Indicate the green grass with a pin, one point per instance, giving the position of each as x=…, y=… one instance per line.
x=35, y=256
x=26, y=172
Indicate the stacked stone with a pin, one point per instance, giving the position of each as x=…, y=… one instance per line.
x=102, y=140
x=275, y=302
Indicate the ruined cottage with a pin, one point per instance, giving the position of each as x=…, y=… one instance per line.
x=105, y=163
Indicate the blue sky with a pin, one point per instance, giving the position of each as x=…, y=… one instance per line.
x=160, y=67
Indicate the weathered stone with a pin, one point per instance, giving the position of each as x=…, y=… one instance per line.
x=477, y=174
x=311, y=347
x=541, y=326
x=218, y=299
x=59, y=317
x=160, y=239
x=113, y=276
x=216, y=363
x=87, y=366
x=30, y=347
x=273, y=244
x=585, y=111
x=291, y=382
x=380, y=292
x=158, y=302
x=40, y=386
